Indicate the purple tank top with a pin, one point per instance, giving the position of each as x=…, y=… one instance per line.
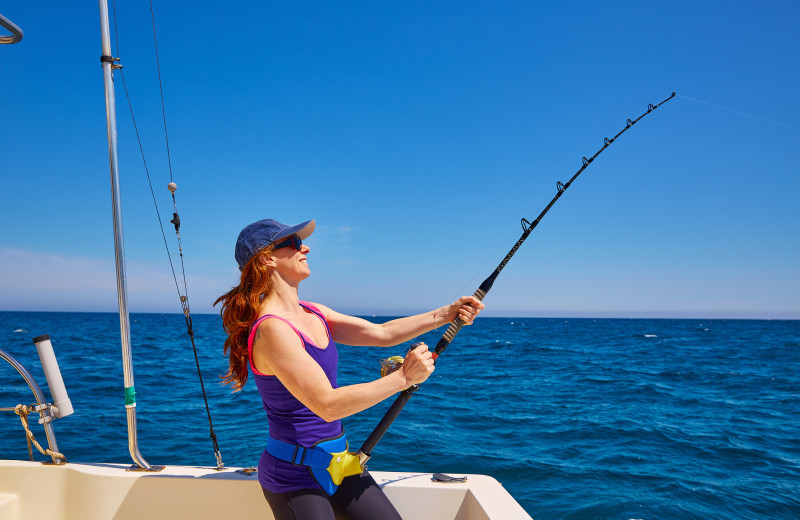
x=289, y=419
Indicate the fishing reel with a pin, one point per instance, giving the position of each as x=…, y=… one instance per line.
x=394, y=363
x=390, y=365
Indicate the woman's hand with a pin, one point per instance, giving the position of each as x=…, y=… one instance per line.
x=467, y=308
x=417, y=365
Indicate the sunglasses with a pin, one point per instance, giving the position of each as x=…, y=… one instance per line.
x=290, y=241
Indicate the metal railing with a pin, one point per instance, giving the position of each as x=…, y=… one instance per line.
x=16, y=32
x=44, y=409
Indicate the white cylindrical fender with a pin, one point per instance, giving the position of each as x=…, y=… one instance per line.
x=53, y=374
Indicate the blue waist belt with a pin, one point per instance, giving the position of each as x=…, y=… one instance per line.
x=328, y=460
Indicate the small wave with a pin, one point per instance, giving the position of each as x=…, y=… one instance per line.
x=20, y=330
x=651, y=335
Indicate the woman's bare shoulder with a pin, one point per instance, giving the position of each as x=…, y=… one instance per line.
x=274, y=327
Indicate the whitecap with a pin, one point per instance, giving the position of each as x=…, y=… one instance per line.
x=650, y=336
x=20, y=330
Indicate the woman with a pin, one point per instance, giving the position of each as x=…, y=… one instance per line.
x=290, y=347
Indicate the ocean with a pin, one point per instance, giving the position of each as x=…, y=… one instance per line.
x=577, y=418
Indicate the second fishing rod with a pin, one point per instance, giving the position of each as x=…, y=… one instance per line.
x=365, y=452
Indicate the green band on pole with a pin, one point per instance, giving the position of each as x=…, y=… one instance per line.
x=130, y=395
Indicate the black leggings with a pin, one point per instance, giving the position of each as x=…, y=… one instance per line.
x=358, y=498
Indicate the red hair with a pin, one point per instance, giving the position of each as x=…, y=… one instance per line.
x=240, y=309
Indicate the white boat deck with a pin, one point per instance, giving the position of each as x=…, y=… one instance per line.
x=32, y=490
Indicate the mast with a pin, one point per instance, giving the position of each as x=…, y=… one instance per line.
x=124, y=320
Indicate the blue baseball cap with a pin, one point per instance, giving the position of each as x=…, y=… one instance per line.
x=259, y=235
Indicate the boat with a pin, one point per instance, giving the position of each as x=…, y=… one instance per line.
x=58, y=488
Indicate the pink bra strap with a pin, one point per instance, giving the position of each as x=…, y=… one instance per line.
x=303, y=338
x=318, y=313
x=253, y=335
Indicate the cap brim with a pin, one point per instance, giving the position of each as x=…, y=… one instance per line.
x=303, y=230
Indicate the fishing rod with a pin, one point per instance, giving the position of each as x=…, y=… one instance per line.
x=365, y=452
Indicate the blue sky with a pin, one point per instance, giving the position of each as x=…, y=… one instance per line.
x=418, y=134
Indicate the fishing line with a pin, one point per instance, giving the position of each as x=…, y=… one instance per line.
x=490, y=259
x=365, y=452
x=738, y=112
x=184, y=298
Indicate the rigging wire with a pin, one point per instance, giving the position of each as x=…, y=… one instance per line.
x=160, y=89
x=141, y=151
x=184, y=298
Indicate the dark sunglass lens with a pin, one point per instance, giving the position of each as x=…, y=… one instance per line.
x=291, y=241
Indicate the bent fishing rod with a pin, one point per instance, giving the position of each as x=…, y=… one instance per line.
x=365, y=452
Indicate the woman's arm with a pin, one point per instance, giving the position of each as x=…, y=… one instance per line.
x=278, y=350
x=350, y=330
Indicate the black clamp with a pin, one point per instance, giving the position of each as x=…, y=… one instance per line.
x=110, y=59
x=176, y=221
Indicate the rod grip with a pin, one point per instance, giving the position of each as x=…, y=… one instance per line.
x=454, y=327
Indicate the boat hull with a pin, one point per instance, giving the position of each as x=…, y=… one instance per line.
x=105, y=491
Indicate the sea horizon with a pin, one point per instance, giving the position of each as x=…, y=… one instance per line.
x=600, y=315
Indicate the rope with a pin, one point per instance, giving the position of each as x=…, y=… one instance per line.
x=23, y=412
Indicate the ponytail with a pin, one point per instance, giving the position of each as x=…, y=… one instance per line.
x=240, y=309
